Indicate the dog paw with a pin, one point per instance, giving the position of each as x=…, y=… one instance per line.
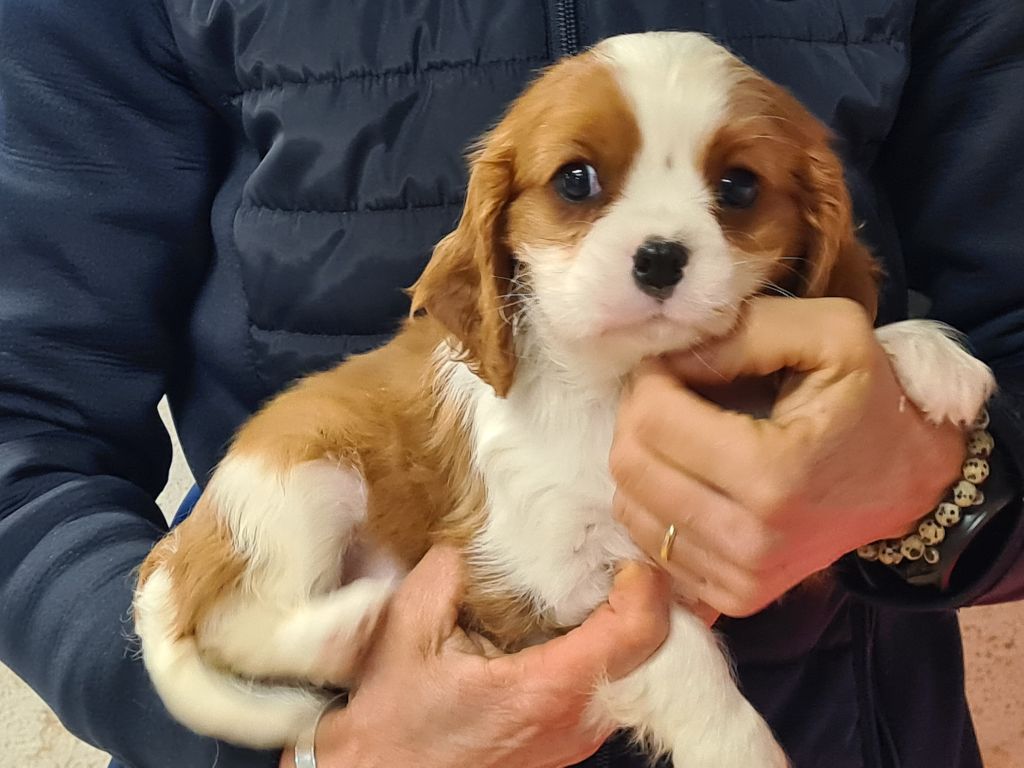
x=342, y=625
x=936, y=373
x=354, y=627
x=746, y=742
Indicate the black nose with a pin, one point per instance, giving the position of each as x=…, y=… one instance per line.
x=658, y=266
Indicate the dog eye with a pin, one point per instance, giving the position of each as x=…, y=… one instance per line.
x=737, y=188
x=577, y=182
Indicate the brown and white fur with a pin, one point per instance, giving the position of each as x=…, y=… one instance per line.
x=487, y=422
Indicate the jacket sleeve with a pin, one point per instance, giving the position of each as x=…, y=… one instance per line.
x=954, y=172
x=107, y=170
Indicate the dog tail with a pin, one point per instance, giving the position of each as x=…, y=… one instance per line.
x=208, y=700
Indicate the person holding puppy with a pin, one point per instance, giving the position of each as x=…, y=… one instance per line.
x=208, y=201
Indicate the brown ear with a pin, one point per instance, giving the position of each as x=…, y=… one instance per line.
x=467, y=284
x=838, y=263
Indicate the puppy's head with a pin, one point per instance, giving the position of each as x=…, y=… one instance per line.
x=628, y=204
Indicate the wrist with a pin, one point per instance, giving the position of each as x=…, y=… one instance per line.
x=346, y=739
x=340, y=743
x=929, y=555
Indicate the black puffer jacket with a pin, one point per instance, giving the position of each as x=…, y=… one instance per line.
x=210, y=197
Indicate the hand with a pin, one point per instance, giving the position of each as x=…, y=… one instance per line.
x=429, y=697
x=760, y=504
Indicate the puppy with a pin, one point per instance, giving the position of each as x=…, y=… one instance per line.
x=628, y=204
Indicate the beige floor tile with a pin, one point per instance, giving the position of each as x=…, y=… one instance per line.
x=994, y=646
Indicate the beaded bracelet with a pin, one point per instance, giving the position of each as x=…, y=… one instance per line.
x=931, y=531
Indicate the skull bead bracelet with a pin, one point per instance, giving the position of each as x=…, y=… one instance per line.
x=917, y=555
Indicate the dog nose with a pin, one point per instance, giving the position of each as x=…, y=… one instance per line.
x=658, y=266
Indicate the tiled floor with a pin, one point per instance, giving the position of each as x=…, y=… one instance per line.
x=994, y=642
x=30, y=736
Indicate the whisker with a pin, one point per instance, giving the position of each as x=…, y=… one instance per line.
x=708, y=365
x=778, y=288
x=793, y=270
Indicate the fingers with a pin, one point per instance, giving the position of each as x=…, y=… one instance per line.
x=745, y=459
x=616, y=639
x=702, y=575
x=779, y=333
x=703, y=517
x=664, y=418
x=708, y=517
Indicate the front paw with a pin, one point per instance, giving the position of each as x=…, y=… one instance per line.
x=936, y=373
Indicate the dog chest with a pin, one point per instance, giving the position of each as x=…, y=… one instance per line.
x=549, y=533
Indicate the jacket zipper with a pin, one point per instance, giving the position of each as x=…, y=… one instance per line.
x=568, y=29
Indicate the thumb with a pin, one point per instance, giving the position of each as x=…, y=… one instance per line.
x=430, y=595
x=617, y=638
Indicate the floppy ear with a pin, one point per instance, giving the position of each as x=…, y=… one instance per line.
x=838, y=264
x=467, y=284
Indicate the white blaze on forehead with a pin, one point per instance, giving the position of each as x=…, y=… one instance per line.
x=679, y=85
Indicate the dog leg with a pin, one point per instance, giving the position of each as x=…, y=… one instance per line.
x=290, y=616
x=683, y=701
x=937, y=374
x=248, y=594
x=320, y=641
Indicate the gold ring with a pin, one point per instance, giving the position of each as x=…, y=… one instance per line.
x=667, y=542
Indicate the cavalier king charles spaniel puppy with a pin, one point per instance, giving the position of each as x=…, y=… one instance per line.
x=628, y=204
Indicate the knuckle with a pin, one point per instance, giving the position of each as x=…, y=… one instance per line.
x=849, y=313
x=638, y=418
x=729, y=605
x=743, y=601
x=743, y=610
x=621, y=510
x=632, y=402
x=748, y=592
x=755, y=547
x=851, y=329
x=626, y=464
x=645, y=423
x=630, y=516
x=620, y=461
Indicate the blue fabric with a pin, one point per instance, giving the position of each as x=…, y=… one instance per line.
x=188, y=503
x=209, y=199
x=185, y=508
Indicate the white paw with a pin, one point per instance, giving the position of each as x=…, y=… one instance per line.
x=335, y=631
x=744, y=743
x=354, y=628
x=937, y=374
